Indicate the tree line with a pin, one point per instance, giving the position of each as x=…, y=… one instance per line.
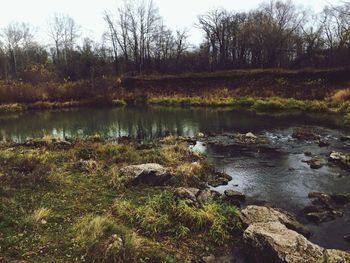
x=277, y=34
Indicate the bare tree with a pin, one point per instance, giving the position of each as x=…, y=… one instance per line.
x=16, y=35
x=64, y=32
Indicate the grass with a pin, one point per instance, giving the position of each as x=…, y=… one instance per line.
x=38, y=216
x=50, y=211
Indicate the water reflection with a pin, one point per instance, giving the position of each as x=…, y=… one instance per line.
x=142, y=123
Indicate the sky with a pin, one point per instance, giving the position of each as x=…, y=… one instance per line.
x=177, y=14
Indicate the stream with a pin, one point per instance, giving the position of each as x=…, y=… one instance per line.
x=279, y=178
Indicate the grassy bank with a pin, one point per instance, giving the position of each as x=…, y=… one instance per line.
x=67, y=201
x=259, y=90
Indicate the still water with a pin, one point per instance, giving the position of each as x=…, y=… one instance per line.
x=280, y=178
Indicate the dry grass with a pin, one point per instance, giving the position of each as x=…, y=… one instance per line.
x=38, y=216
x=341, y=96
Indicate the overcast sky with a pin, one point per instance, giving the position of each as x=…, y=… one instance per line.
x=88, y=14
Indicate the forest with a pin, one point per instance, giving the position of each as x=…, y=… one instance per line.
x=276, y=34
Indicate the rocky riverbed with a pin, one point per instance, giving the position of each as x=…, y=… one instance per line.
x=304, y=170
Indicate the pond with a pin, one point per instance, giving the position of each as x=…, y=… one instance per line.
x=279, y=178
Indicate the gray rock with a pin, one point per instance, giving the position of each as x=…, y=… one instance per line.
x=148, y=174
x=207, y=195
x=320, y=217
x=189, y=195
x=218, y=179
x=262, y=214
x=345, y=138
x=194, y=196
x=273, y=242
x=234, y=195
x=308, y=154
x=322, y=208
x=323, y=143
x=269, y=239
x=340, y=199
x=340, y=158
x=315, y=164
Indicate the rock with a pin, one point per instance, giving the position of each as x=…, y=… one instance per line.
x=194, y=196
x=323, y=143
x=200, y=135
x=269, y=239
x=148, y=174
x=345, y=138
x=321, y=198
x=262, y=214
x=340, y=158
x=320, y=217
x=308, y=154
x=322, y=209
x=207, y=195
x=340, y=199
x=218, y=179
x=62, y=145
x=273, y=242
x=315, y=164
x=336, y=256
x=250, y=135
x=248, y=138
x=234, y=195
x=305, y=134
x=189, y=195
x=86, y=165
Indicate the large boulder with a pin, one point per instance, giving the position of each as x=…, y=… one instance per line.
x=262, y=214
x=274, y=242
x=148, y=174
x=269, y=238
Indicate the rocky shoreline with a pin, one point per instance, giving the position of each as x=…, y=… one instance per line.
x=266, y=234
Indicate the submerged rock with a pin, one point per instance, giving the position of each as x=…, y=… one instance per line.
x=147, y=174
x=305, y=134
x=323, y=143
x=345, y=138
x=218, y=179
x=322, y=208
x=341, y=199
x=234, y=195
x=315, y=163
x=269, y=239
x=308, y=154
x=324, y=216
